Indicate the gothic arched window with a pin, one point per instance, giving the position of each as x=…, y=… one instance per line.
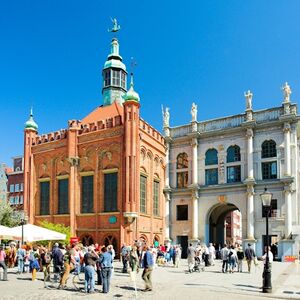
x=211, y=157
x=233, y=154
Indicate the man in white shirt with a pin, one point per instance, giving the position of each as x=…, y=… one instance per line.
x=271, y=257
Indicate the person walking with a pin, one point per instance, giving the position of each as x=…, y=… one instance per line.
x=191, y=257
x=148, y=268
x=134, y=259
x=232, y=259
x=46, y=260
x=90, y=259
x=211, y=254
x=69, y=264
x=125, y=257
x=250, y=255
x=106, y=266
x=34, y=262
x=240, y=256
x=2, y=263
x=224, y=257
x=177, y=256
x=21, y=253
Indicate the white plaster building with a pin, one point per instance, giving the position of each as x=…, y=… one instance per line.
x=221, y=165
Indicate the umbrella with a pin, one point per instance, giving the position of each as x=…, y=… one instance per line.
x=6, y=233
x=34, y=233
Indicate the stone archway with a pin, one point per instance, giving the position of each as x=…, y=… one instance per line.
x=225, y=224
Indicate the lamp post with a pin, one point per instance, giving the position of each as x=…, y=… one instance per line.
x=266, y=198
x=23, y=222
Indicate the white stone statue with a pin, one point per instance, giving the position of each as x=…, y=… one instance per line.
x=286, y=92
x=194, y=112
x=166, y=116
x=248, y=97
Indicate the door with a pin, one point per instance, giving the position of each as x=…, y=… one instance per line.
x=182, y=240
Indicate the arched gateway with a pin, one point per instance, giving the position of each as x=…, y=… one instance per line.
x=225, y=224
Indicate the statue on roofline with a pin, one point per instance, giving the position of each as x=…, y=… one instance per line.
x=166, y=116
x=286, y=92
x=248, y=97
x=194, y=112
x=116, y=27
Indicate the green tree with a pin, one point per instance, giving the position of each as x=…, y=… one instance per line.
x=9, y=216
x=58, y=228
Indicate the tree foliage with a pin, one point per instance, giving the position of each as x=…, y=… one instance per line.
x=9, y=216
x=58, y=228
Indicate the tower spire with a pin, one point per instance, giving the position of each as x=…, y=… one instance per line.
x=31, y=124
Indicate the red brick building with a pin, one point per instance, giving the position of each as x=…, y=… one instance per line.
x=102, y=175
x=15, y=183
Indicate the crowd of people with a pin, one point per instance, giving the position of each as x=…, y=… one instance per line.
x=96, y=260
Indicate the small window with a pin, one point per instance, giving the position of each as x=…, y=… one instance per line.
x=182, y=180
x=11, y=188
x=233, y=154
x=211, y=157
x=211, y=176
x=21, y=199
x=11, y=200
x=234, y=174
x=123, y=80
x=182, y=161
x=273, y=212
x=16, y=187
x=116, y=78
x=269, y=170
x=182, y=212
x=268, y=149
x=21, y=187
x=106, y=78
x=63, y=196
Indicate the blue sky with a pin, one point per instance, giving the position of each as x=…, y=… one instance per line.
x=208, y=52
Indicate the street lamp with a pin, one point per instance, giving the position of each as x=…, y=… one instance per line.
x=24, y=219
x=266, y=198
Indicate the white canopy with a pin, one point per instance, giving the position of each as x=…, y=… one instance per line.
x=6, y=233
x=34, y=233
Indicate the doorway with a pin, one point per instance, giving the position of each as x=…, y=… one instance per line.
x=182, y=240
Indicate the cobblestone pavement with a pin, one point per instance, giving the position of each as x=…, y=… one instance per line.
x=168, y=283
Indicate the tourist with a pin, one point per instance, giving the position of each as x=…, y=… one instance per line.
x=271, y=257
x=2, y=263
x=240, y=257
x=106, y=266
x=57, y=257
x=211, y=254
x=134, y=259
x=46, y=258
x=250, y=255
x=69, y=264
x=90, y=259
x=21, y=253
x=224, y=257
x=177, y=256
x=125, y=257
x=191, y=257
x=232, y=259
x=34, y=262
x=110, y=248
x=148, y=268
x=12, y=255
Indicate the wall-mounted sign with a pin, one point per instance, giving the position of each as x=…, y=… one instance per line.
x=112, y=219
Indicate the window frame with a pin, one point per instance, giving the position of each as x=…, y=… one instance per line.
x=156, y=187
x=62, y=209
x=268, y=149
x=111, y=192
x=264, y=165
x=237, y=173
x=143, y=204
x=210, y=161
x=211, y=182
x=186, y=213
x=89, y=206
x=233, y=154
x=45, y=198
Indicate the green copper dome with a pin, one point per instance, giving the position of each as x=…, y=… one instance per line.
x=30, y=124
x=131, y=94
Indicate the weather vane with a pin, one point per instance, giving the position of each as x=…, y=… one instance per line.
x=133, y=64
x=116, y=27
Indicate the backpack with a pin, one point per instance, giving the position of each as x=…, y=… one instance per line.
x=230, y=253
x=124, y=251
x=47, y=258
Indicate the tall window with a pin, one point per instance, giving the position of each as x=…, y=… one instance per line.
x=116, y=78
x=123, y=80
x=106, y=78
x=182, y=176
x=211, y=176
x=17, y=188
x=156, y=198
x=268, y=149
x=11, y=188
x=87, y=194
x=111, y=192
x=143, y=193
x=233, y=174
x=182, y=212
x=63, y=196
x=44, y=197
x=211, y=157
x=233, y=154
x=268, y=168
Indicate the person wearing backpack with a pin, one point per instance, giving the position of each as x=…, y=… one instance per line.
x=125, y=257
x=240, y=256
x=46, y=258
x=20, y=258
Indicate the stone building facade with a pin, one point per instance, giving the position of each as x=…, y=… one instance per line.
x=103, y=175
x=221, y=165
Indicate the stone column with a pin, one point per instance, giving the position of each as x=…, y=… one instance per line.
x=195, y=161
x=287, y=149
x=167, y=174
x=250, y=212
x=167, y=220
x=249, y=135
x=195, y=217
x=288, y=209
